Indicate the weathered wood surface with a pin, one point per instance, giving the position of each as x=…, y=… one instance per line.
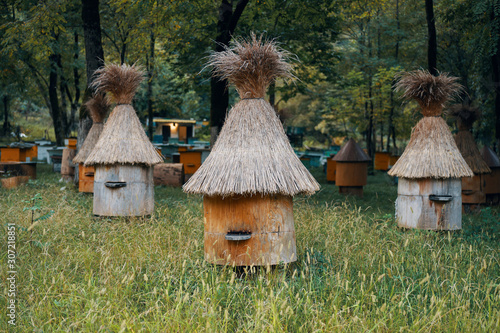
x=471, y=190
x=491, y=182
x=415, y=210
x=331, y=168
x=268, y=219
x=135, y=199
x=351, y=173
x=19, y=169
x=352, y=190
x=12, y=182
x=382, y=161
x=169, y=174
x=86, y=178
x=67, y=166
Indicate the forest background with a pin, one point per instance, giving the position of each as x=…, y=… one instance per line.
x=348, y=52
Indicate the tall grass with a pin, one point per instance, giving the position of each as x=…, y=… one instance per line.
x=356, y=271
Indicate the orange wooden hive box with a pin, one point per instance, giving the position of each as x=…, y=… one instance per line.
x=430, y=168
x=98, y=107
x=252, y=173
x=472, y=191
x=191, y=160
x=331, y=168
x=382, y=161
x=491, y=182
x=352, y=169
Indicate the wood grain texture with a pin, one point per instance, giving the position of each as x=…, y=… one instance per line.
x=86, y=178
x=13, y=182
x=19, y=168
x=351, y=173
x=135, y=199
x=331, y=170
x=491, y=182
x=471, y=190
x=415, y=210
x=382, y=161
x=269, y=220
x=67, y=168
x=169, y=174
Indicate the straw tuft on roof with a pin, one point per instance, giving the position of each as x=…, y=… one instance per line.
x=123, y=140
x=120, y=82
x=431, y=92
x=252, y=154
x=431, y=153
x=98, y=108
x=351, y=152
x=490, y=157
x=470, y=152
x=465, y=115
x=251, y=65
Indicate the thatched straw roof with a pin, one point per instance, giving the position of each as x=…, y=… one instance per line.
x=351, y=152
x=465, y=115
x=251, y=65
x=98, y=107
x=490, y=157
x=123, y=140
x=252, y=154
x=470, y=152
x=431, y=153
x=431, y=92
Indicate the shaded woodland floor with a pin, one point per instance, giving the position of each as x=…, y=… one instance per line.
x=356, y=271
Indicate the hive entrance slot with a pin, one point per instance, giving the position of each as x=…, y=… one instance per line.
x=440, y=197
x=115, y=184
x=238, y=235
x=88, y=174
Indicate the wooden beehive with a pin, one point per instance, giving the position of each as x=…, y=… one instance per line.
x=123, y=156
x=429, y=204
x=12, y=154
x=86, y=178
x=244, y=231
x=191, y=161
x=331, y=167
x=251, y=175
x=382, y=161
x=123, y=190
x=491, y=182
x=67, y=167
x=352, y=169
x=430, y=169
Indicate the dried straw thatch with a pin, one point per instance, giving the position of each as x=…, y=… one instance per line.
x=119, y=82
x=252, y=154
x=490, y=157
x=466, y=116
x=123, y=140
x=431, y=92
x=251, y=65
x=351, y=152
x=98, y=107
x=431, y=152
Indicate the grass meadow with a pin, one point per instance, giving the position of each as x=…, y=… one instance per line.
x=356, y=271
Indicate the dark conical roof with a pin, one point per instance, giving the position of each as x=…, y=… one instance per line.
x=490, y=157
x=351, y=152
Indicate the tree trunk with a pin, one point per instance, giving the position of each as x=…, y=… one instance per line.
x=495, y=62
x=6, y=125
x=94, y=58
x=150, y=61
x=54, y=102
x=432, y=43
x=392, y=130
x=219, y=97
